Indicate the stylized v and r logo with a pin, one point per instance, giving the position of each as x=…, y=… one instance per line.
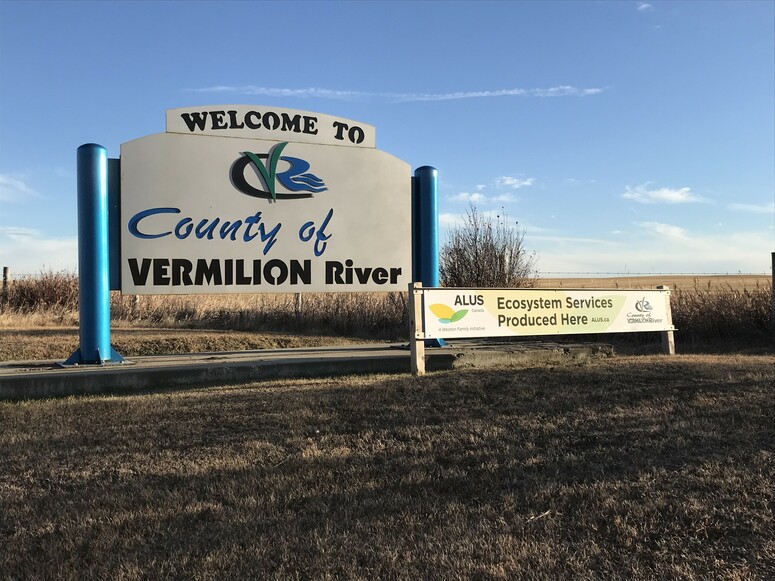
x=295, y=179
x=269, y=170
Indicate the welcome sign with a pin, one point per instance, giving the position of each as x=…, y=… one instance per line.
x=459, y=313
x=239, y=199
x=270, y=123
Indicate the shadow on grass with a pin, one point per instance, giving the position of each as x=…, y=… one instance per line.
x=635, y=467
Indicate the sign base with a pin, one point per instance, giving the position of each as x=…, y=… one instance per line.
x=77, y=359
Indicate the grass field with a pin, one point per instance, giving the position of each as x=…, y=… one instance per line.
x=39, y=317
x=632, y=467
x=57, y=343
x=712, y=283
x=636, y=467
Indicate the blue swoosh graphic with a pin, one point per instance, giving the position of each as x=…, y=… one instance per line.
x=297, y=179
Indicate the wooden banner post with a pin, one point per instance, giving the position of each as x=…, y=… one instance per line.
x=668, y=337
x=416, y=333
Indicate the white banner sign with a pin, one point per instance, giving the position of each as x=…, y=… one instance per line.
x=458, y=313
x=222, y=215
x=274, y=123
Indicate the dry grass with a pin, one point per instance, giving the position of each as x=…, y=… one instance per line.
x=51, y=299
x=731, y=311
x=57, y=343
x=713, y=283
x=629, y=468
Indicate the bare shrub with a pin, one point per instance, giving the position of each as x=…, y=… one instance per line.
x=46, y=291
x=480, y=253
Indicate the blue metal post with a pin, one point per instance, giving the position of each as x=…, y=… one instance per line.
x=114, y=223
x=93, y=275
x=427, y=230
x=415, y=231
x=425, y=206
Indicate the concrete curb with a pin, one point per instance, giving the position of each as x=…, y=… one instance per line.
x=44, y=379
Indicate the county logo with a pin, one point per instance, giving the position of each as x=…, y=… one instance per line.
x=643, y=306
x=295, y=177
x=447, y=314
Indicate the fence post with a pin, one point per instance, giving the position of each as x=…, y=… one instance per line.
x=6, y=281
x=668, y=337
x=416, y=330
x=297, y=302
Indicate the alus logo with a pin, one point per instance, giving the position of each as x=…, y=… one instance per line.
x=643, y=306
x=447, y=314
x=271, y=168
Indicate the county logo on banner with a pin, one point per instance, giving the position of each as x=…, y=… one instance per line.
x=209, y=214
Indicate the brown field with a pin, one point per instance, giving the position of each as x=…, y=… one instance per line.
x=39, y=317
x=645, y=467
x=58, y=343
x=636, y=467
x=713, y=283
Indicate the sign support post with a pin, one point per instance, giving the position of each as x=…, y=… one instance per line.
x=93, y=275
x=668, y=337
x=425, y=203
x=416, y=339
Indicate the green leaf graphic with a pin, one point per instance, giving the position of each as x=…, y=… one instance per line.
x=458, y=315
x=268, y=171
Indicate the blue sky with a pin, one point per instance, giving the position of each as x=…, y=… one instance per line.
x=622, y=136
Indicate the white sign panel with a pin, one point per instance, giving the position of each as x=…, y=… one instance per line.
x=221, y=215
x=458, y=313
x=273, y=123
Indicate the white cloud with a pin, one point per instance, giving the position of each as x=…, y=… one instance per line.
x=319, y=93
x=483, y=199
x=643, y=195
x=664, y=230
x=504, y=199
x=17, y=233
x=27, y=251
x=513, y=183
x=644, y=7
x=13, y=189
x=565, y=91
x=449, y=219
x=753, y=208
x=570, y=240
x=474, y=198
x=500, y=183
